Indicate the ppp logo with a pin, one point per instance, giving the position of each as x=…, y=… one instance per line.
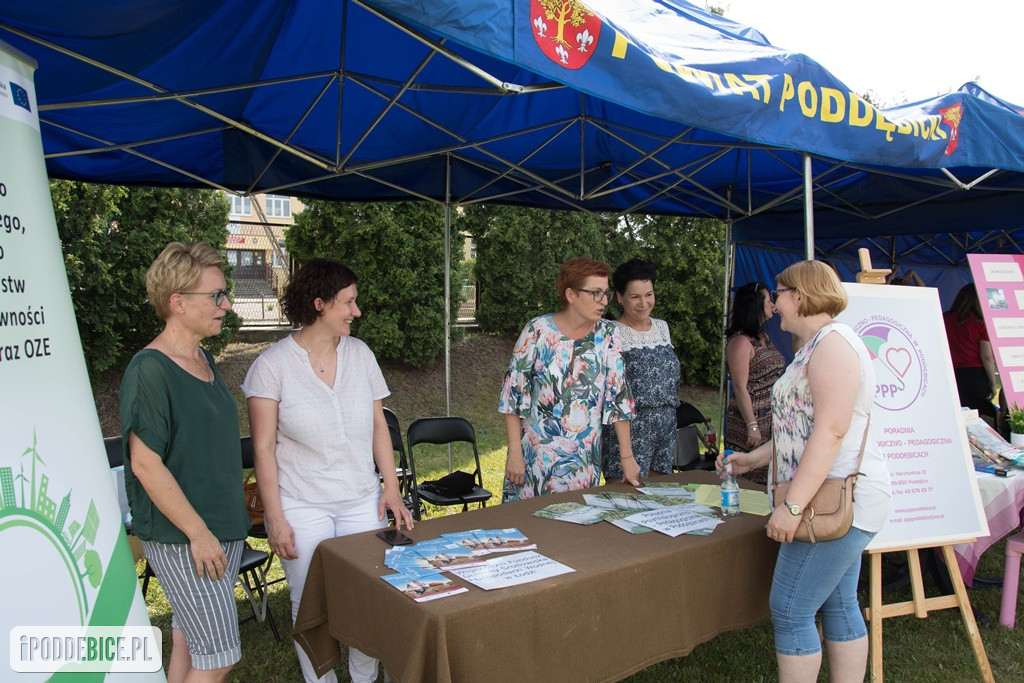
x=899, y=368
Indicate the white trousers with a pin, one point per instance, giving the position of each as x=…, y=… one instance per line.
x=313, y=523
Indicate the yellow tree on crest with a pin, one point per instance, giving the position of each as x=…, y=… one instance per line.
x=564, y=12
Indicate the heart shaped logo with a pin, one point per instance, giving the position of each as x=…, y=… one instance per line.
x=899, y=359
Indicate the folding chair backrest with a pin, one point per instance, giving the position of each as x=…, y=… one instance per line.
x=392, y=419
x=248, y=457
x=441, y=430
x=687, y=414
x=115, y=451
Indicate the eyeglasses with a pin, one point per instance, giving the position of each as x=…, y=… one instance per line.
x=598, y=294
x=218, y=297
x=775, y=292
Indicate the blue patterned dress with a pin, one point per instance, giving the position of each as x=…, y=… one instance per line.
x=564, y=390
x=652, y=372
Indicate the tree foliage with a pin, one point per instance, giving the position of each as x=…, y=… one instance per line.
x=518, y=254
x=397, y=250
x=519, y=251
x=691, y=274
x=109, y=236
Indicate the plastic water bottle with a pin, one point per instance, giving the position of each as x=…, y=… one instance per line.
x=730, y=490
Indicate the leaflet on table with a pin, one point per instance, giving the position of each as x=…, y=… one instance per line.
x=989, y=443
x=425, y=587
x=618, y=518
x=674, y=521
x=468, y=540
x=444, y=555
x=667, y=489
x=504, y=540
x=406, y=561
x=577, y=513
x=512, y=570
x=610, y=500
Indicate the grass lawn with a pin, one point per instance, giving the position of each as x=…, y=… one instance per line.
x=931, y=649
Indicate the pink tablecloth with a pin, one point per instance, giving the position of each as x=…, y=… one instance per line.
x=1003, y=499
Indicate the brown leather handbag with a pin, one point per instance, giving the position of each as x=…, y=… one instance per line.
x=829, y=515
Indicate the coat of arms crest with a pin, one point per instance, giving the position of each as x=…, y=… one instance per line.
x=565, y=30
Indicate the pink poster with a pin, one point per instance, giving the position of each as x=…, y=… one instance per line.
x=1000, y=282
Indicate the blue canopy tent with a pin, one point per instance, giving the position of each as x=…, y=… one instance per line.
x=621, y=106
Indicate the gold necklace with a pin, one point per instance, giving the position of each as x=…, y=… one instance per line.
x=311, y=355
x=196, y=364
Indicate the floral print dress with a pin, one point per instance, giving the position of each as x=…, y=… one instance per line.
x=652, y=372
x=564, y=390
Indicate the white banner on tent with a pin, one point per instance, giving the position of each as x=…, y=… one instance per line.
x=66, y=560
x=916, y=417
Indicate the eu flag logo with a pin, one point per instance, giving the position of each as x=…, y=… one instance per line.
x=20, y=96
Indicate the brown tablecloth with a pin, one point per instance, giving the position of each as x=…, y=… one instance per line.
x=634, y=599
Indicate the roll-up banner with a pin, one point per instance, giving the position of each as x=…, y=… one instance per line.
x=69, y=598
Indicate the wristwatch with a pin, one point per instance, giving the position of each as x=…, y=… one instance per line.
x=794, y=509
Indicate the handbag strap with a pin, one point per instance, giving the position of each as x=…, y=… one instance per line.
x=856, y=471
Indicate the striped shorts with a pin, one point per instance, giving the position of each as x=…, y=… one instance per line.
x=204, y=609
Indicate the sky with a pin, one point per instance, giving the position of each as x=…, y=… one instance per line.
x=901, y=50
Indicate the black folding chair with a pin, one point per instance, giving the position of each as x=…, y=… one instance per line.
x=445, y=430
x=402, y=466
x=692, y=431
x=252, y=578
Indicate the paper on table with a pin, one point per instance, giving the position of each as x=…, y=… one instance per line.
x=674, y=520
x=512, y=570
x=570, y=512
x=662, y=489
x=618, y=518
x=444, y=555
x=468, y=540
x=613, y=500
x=753, y=502
x=504, y=540
x=426, y=587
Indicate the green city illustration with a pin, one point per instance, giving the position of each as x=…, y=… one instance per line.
x=36, y=509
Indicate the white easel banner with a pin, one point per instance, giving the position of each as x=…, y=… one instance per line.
x=999, y=279
x=916, y=418
x=66, y=557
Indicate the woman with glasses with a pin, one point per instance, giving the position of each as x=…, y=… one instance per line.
x=181, y=442
x=316, y=415
x=821, y=408
x=565, y=383
x=652, y=372
x=754, y=365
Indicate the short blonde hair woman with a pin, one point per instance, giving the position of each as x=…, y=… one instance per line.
x=184, y=474
x=821, y=409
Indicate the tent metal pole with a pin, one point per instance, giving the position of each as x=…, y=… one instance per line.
x=808, y=209
x=447, y=294
x=730, y=260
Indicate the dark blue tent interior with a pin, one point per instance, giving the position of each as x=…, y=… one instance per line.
x=632, y=106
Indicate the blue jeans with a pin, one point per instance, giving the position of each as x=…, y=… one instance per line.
x=817, y=576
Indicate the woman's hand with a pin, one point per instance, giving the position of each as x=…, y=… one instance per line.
x=208, y=555
x=515, y=468
x=753, y=436
x=630, y=471
x=741, y=462
x=782, y=525
x=392, y=498
x=281, y=537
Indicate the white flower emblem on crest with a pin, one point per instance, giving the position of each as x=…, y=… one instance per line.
x=584, y=39
x=563, y=54
x=541, y=26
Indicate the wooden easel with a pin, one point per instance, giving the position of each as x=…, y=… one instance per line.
x=920, y=605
